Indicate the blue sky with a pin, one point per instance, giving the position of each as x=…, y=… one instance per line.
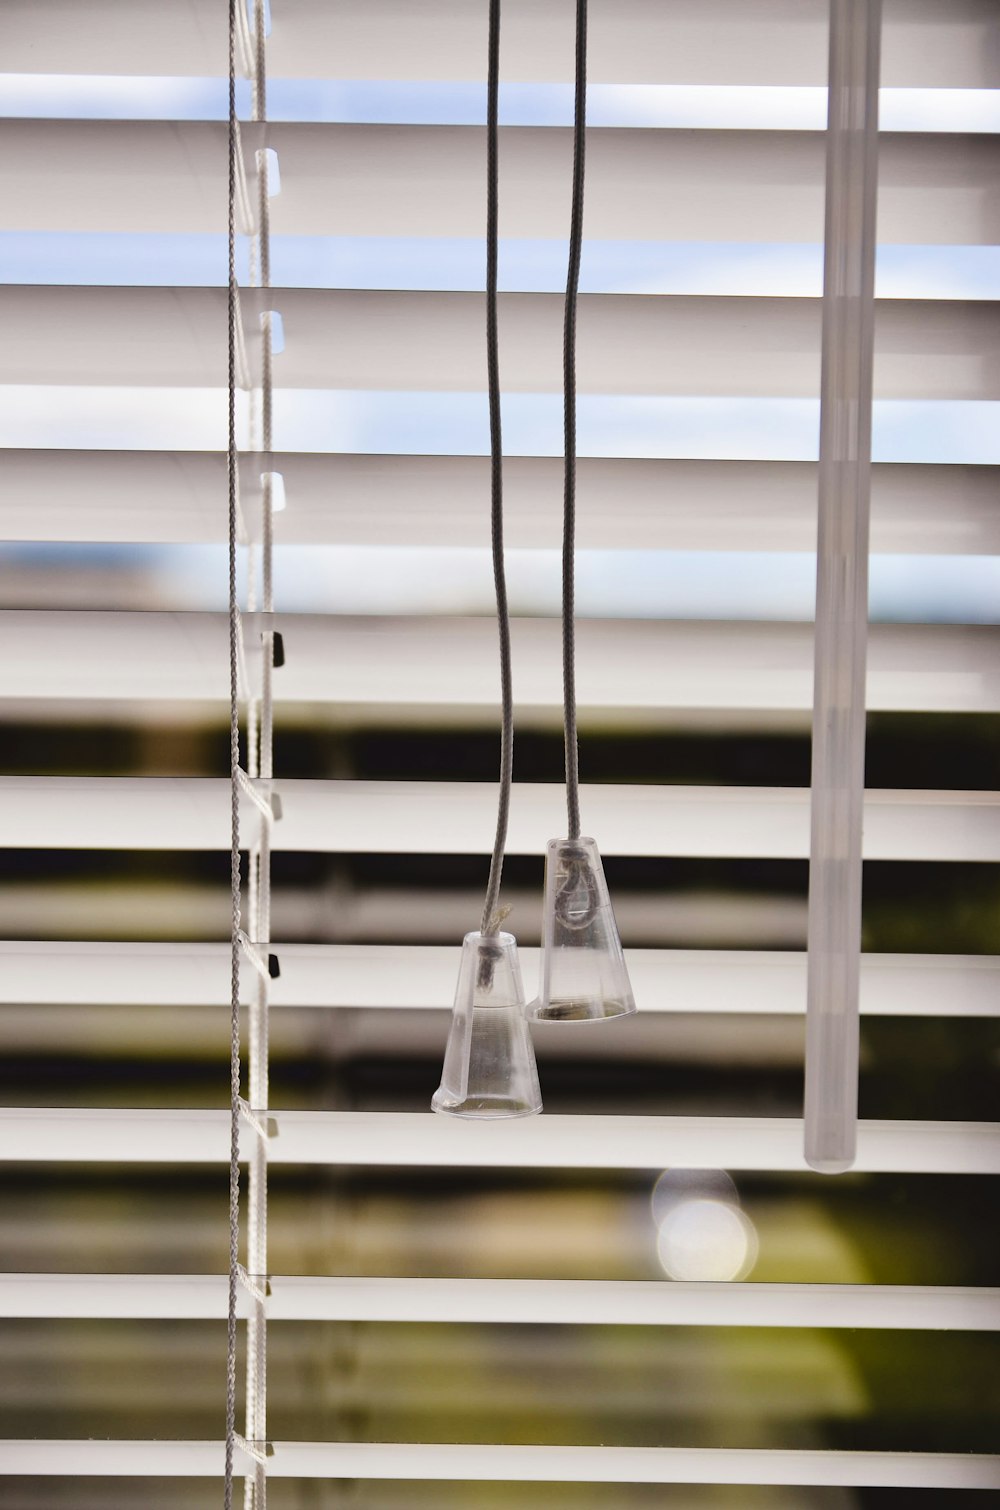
x=737, y=427
x=112, y=97
x=526, y=265
x=409, y=580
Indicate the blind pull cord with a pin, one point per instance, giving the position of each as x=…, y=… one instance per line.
x=489, y=1063
x=572, y=761
x=492, y=917
x=583, y=974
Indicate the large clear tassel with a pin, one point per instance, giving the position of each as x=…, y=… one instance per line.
x=489, y=1063
x=583, y=972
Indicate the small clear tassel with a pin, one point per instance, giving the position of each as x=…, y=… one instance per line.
x=489, y=1063
x=583, y=973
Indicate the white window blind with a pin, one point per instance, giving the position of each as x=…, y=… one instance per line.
x=698, y=371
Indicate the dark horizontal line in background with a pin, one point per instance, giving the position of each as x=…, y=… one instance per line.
x=904, y=751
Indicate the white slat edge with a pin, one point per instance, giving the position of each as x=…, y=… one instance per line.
x=173, y=497
x=779, y=42
x=420, y=1139
x=427, y=817
x=372, y=180
x=522, y=1302
x=412, y=1461
x=397, y=340
x=416, y=978
x=436, y=665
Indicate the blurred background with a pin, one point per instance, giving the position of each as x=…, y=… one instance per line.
x=683, y=1386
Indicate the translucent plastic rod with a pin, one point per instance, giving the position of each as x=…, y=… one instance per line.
x=838, y=755
x=525, y=1464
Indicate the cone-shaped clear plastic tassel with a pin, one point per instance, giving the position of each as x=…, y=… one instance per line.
x=583, y=975
x=489, y=1064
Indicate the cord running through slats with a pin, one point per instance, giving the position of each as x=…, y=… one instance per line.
x=255, y=1482
x=234, y=762
x=492, y=916
x=569, y=431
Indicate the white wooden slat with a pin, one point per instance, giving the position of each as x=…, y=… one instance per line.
x=173, y=497
x=777, y=42
x=384, y=180
x=414, y=1461
x=422, y=978
x=420, y=1139
x=520, y=1302
x=427, y=817
x=435, y=667
x=368, y=339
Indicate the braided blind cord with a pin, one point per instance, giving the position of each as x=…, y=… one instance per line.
x=491, y=916
x=569, y=431
x=234, y=760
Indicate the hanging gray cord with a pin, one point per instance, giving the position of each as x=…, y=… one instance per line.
x=569, y=430
x=234, y=762
x=491, y=915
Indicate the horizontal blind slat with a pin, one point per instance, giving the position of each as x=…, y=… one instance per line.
x=427, y=817
x=411, y=1461
x=433, y=666
x=521, y=1302
x=423, y=977
x=420, y=1139
x=173, y=497
x=395, y=340
x=780, y=42
x=371, y=180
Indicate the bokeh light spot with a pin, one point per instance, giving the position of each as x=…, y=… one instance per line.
x=707, y=1239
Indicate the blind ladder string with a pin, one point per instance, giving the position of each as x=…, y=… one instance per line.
x=234, y=760
x=255, y=1485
